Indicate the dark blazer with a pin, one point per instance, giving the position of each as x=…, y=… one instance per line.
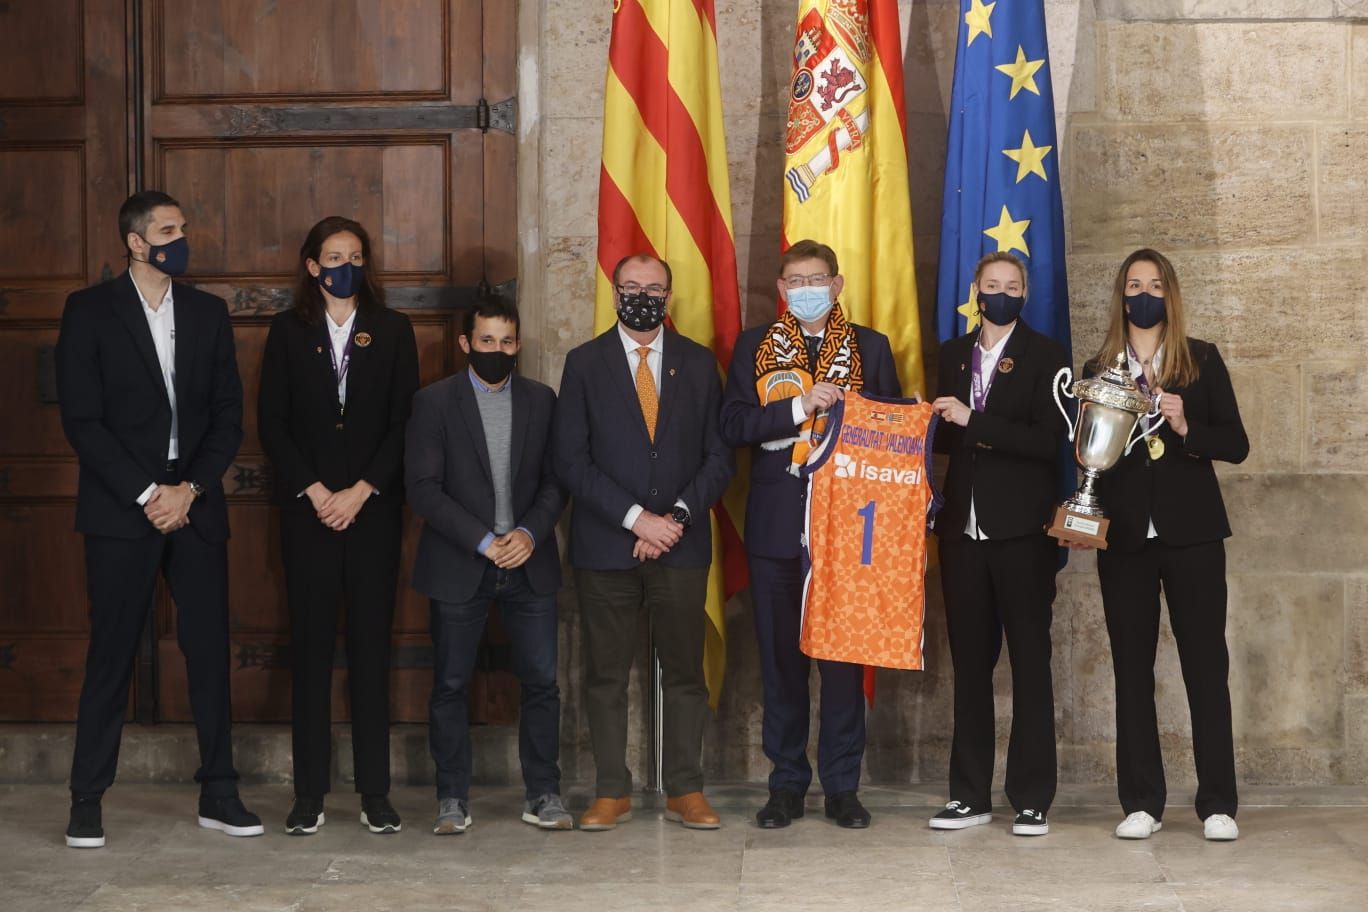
x=304, y=433
x=117, y=415
x=775, y=504
x=1179, y=490
x=1005, y=456
x=451, y=486
x=608, y=462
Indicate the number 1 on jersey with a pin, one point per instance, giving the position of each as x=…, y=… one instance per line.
x=867, y=546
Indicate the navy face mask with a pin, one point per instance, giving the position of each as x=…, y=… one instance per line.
x=172, y=258
x=1000, y=308
x=341, y=281
x=1144, y=310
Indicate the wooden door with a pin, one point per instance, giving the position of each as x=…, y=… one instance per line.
x=261, y=117
x=63, y=173
x=264, y=117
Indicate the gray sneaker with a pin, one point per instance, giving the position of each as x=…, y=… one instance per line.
x=548, y=812
x=452, y=817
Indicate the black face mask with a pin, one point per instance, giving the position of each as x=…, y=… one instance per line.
x=641, y=311
x=492, y=367
x=1000, y=308
x=1144, y=310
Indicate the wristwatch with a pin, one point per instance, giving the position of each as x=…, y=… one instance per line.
x=681, y=515
x=195, y=489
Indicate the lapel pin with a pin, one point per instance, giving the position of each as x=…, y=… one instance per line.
x=363, y=339
x=319, y=349
x=1006, y=365
x=672, y=372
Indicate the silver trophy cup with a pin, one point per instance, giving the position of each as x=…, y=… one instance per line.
x=1112, y=417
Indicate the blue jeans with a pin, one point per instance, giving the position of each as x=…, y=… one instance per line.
x=530, y=620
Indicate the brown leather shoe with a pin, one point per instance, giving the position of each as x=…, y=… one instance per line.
x=606, y=813
x=693, y=811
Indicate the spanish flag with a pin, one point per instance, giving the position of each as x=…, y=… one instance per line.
x=846, y=166
x=663, y=190
x=845, y=169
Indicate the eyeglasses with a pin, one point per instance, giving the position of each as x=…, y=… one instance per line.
x=820, y=280
x=631, y=288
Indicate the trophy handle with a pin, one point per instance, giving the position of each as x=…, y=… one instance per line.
x=1065, y=374
x=1154, y=425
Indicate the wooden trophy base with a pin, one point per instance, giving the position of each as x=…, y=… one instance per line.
x=1081, y=528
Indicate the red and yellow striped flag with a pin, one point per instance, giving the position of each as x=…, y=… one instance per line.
x=846, y=166
x=663, y=190
x=845, y=171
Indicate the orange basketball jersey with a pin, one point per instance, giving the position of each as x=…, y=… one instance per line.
x=870, y=499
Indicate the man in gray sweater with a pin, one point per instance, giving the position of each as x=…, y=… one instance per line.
x=478, y=473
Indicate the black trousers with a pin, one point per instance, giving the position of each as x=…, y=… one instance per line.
x=1194, y=584
x=610, y=603
x=994, y=587
x=121, y=575
x=327, y=572
x=777, y=591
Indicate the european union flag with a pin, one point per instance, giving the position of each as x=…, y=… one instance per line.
x=1002, y=167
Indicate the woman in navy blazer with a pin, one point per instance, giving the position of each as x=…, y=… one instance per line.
x=1168, y=530
x=337, y=383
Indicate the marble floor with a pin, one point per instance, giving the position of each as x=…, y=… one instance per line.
x=1299, y=850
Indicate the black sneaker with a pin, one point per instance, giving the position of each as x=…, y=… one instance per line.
x=85, y=829
x=305, y=817
x=228, y=816
x=1030, y=823
x=959, y=815
x=378, y=815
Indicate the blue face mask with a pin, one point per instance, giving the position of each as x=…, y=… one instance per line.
x=809, y=304
x=342, y=281
x=1144, y=310
x=1000, y=308
x=172, y=258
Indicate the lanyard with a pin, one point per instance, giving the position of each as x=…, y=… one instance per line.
x=340, y=371
x=980, y=389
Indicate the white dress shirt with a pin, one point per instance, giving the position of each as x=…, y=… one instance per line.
x=162, y=323
x=1137, y=369
x=653, y=361
x=988, y=365
x=339, y=336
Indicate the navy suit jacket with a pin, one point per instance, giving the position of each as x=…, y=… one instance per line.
x=608, y=462
x=117, y=415
x=1004, y=458
x=450, y=485
x=776, y=503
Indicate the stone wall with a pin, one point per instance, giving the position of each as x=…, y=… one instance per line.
x=1233, y=136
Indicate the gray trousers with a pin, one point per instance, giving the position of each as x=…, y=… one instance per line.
x=610, y=604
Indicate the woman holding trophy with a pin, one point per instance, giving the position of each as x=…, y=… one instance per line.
x=1167, y=529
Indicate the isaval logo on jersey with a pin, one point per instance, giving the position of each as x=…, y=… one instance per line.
x=848, y=466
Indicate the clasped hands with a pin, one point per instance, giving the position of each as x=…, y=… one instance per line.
x=168, y=509
x=655, y=534
x=337, y=509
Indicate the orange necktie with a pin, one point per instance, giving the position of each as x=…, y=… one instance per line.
x=646, y=391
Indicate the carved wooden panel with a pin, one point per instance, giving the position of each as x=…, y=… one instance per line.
x=30, y=427
x=257, y=49
x=249, y=205
x=42, y=190
x=47, y=73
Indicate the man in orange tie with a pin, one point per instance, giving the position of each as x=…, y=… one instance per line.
x=636, y=443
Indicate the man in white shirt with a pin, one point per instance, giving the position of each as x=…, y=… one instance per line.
x=152, y=404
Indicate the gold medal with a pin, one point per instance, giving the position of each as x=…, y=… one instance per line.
x=1156, y=447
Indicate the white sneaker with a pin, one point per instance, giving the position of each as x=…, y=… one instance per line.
x=1221, y=828
x=1139, y=825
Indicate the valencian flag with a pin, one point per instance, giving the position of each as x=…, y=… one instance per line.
x=663, y=190
x=846, y=164
x=1002, y=168
x=845, y=169
x=1002, y=176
